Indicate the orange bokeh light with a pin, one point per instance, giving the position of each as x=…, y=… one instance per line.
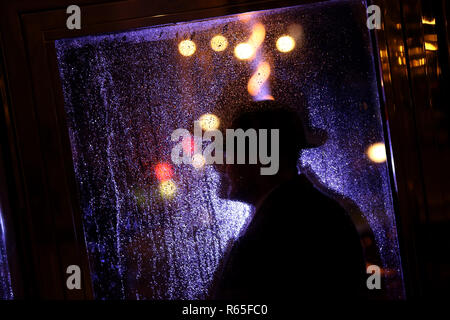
x=247, y=50
x=258, y=78
x=258, y=35
x=377, y=152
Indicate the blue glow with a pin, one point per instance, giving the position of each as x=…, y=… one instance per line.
x=6, y=292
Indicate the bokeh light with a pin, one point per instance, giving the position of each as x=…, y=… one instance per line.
x=198, y=161
x=427, y=21
x=186, y=48
x=430, y=47
x=167, y=189
x=219, y=43
x=209, y=122
x=268, y=97
x=247, y=50
x=257, y=36
x=377, y=152
x=258, y=78
x=244, y=51
x=163, y=171
x=285, y=43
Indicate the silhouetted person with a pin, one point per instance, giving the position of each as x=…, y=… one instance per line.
x=300, y=242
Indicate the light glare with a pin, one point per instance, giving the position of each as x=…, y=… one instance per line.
x=377, y=152
x=163, y=171
x=430, y=47
x=244, y=51
x=426, y=21
x=209, y=122
x=257, y=36
x=258, y=78
x=285, y=43
x=186, y=48
x=198, y=161
x=219, y=43
x=167, y=189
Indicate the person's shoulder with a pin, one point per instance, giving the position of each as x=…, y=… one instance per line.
x=305, y=193
x=320, y=206
x=297, y=203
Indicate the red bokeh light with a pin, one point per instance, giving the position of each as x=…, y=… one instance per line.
x=163, y=171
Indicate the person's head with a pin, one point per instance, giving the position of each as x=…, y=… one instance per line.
x=246, y=182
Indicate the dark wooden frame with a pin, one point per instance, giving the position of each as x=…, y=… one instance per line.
x=421, y=165
x=43, y=208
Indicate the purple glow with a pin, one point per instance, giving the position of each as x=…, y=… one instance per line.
x=6, y=292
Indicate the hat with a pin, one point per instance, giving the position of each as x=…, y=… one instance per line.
x=287, y=104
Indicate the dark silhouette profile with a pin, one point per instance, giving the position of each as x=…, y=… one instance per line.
x=300, y=241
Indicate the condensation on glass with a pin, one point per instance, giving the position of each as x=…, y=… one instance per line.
x=155, y=230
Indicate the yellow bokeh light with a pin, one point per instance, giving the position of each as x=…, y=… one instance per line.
x=167, y=189
x=198, y=161
x=430, y=47
x=209, y=122
x=418, y=62
x=244, y=51
x=285, y=43
x=186, y=48
x=219, y=43
x=247, y=50
x=426, y=21
x=258, y=78
x=377, y=152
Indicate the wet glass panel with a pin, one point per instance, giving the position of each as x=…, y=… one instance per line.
x=6, y=292
x=156, y=230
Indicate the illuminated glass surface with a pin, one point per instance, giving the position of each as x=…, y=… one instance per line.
x=126, y=92
x=6, y=292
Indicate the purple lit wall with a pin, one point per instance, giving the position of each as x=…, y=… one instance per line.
x=126, y=92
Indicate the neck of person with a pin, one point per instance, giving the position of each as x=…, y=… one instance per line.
x=272, y=183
